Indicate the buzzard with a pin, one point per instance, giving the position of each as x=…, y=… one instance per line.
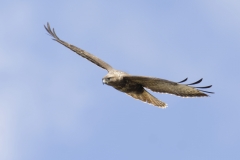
x=136, y=86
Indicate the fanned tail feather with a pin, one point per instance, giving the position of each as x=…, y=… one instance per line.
x=145, y=96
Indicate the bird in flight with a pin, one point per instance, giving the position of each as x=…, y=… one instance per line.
x=135, y=86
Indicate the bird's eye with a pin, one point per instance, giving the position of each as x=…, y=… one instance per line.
x=108, y=79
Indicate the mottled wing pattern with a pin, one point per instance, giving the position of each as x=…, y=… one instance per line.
x=79, y=51
x=145, y=96
x=165, y=86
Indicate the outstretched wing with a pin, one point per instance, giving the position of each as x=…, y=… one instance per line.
x=79, y=51
x=165, y=86
x=145, y=96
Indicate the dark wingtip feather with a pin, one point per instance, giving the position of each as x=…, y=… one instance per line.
x=206, y=91
x=204, y=87
x=183, y=80
x=200, y=80
x=51, y=32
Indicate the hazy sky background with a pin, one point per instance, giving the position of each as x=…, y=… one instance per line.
x=52, y=101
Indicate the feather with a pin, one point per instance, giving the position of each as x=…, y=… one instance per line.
x=183, y=80
x=200, y=80
x=204, y=87
x=146, y=97
x=206, y=91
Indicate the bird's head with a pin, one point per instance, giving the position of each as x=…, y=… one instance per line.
x=110, y=79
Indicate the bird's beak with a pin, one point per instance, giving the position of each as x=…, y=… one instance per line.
x=103, y=81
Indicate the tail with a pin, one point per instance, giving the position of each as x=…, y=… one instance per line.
x=146, y=97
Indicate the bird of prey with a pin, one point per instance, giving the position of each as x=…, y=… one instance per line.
x=136, y=86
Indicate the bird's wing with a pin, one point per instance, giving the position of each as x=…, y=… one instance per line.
x=79, y=51
x=145, y=96
x=165, y=86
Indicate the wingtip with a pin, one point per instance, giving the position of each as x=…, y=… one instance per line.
x=183, y=80
x=200, y=80
x=51, y=32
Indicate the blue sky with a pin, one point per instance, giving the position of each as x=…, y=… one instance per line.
x=54, y=106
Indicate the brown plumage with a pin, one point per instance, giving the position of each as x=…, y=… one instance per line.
x=135, y=85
